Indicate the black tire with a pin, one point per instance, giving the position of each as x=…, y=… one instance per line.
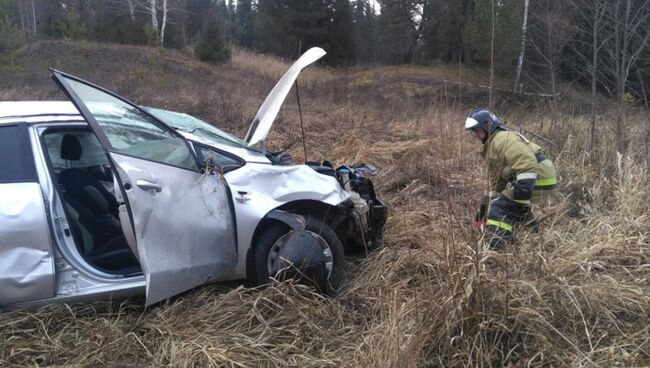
x=265, y=241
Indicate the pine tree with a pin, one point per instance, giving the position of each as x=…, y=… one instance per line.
x=340, y=44
x=506, y=33
x=364, y=32
x=289, y=27
x=197, y=17
x=397, y=33
x=442, y=33
x=11, y=37
x=211, y=47
x=244, y=19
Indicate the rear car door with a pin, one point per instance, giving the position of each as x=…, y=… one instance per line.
x=26, y=261
x=182, y=219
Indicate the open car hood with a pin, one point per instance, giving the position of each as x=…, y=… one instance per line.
x=263, y=121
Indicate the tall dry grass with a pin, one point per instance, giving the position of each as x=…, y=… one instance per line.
x=574, y=294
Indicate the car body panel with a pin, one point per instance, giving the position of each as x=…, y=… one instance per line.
x=26, y=258
x=19, y=110
x=270, y=108
x=182, y=219
x=259, y=189
x=185, y=233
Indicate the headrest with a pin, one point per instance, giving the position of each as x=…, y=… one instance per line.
x=70, y=148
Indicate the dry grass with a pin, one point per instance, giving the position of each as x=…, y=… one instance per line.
x=574, y=294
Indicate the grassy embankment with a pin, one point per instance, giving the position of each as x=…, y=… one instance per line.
x=575, y=294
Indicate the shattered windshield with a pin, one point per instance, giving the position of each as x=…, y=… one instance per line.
x=190, y=124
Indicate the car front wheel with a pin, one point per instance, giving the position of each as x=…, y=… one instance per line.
x=313, y=255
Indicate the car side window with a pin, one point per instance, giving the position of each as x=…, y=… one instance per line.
x=213, y=158
x=132, y=132
x=92, y=153
x=16, y=158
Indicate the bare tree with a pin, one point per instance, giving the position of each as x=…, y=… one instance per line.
x=598, y=11
x=21, y=11
x=164, y=21
x=630, y=25
x=590, y=38
x=168, y=7
x=152, y=8
x=27, y=13
x=644, y=94
x=549, y=31
x=154, y=15
x=520, y=61
x=34, y=16
x=120, y=7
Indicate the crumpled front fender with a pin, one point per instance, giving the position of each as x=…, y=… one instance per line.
x=258, y=189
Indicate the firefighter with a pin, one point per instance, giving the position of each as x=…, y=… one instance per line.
x=518, y=172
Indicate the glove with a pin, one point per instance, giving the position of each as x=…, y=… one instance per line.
x=479, y=216
x=507, y=173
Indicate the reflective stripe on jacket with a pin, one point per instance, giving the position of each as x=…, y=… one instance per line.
x=517, y=168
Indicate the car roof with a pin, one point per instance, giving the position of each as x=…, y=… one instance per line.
x=34, y=111
x=26, y=112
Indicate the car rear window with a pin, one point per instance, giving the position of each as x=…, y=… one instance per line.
x=16, y=158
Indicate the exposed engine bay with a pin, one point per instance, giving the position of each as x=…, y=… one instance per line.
x=366, y=213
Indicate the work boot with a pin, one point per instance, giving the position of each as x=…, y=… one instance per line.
x=531, y=222
x=495, y=238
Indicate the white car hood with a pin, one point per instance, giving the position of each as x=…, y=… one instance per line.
x=267, y=113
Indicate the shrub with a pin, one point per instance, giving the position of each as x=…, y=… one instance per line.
x=150, y=35
x=11, y=37
x=211, y=47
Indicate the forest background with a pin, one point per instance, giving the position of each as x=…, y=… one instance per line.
x=603, y=44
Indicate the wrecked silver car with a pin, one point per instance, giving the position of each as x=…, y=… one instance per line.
x=102, y=198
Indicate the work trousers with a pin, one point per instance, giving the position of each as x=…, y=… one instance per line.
x=503, y=216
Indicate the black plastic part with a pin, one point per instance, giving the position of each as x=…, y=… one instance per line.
x=16, y=159
x=324, y=167
x=373, y=235
x=296, y=222
x=376, y=221
x=280, y=158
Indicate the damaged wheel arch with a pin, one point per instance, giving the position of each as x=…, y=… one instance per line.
x=290, y=215
x=284, y=240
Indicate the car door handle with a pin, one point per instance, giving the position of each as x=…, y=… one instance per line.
x=242, y=197
x=148, y=185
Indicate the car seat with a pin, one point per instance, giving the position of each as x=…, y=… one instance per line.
x=81, y=185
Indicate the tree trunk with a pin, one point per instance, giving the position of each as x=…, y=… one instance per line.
x=468, y=58
x=164, y=23
x=647, y=110
x=618, y=71
x=594, y=68
x=131, y=6
x=33, y=17
x=21, y=9
x=154, y=16
x=520, y=62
